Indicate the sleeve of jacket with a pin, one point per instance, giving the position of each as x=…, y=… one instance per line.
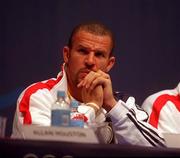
x=131, y=127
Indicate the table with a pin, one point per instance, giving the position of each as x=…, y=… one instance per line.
x=55, y=149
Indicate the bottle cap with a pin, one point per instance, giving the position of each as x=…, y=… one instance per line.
x=60, y=94
x=74, y=103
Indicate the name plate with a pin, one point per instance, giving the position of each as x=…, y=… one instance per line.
x=172, y=139
x=68, y=134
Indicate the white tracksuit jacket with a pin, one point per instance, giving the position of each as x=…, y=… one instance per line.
x=129, y=121
x=163, y=108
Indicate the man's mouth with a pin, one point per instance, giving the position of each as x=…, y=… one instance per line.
x=83, y=73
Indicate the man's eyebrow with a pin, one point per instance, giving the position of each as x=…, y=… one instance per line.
x=82, y=46
x=96, y=50
x=100, y=51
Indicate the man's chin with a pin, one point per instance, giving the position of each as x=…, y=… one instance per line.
x=81, y=77
x=79, y=81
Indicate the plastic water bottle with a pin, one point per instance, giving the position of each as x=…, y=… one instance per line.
x=77, y=118
x=60, y=112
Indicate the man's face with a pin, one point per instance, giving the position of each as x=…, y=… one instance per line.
x=89, y=52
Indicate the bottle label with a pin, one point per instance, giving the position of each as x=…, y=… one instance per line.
x=60, y=117
x=77, y=120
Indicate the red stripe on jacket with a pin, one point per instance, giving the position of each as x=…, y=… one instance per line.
x=24, y=103
x=159, y=104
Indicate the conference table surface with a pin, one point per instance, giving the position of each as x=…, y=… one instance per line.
x=54, y=149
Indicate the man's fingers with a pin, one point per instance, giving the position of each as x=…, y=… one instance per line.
x=90, y=78
x=103, y=74
x=94, y=78
x=98, y=81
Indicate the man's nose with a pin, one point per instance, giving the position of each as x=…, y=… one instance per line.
x=90, y=59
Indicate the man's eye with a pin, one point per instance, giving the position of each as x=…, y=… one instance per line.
x=84, y=51
x=99, y=54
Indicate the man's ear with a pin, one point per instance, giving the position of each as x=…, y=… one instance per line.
x=111, y=63
x=66, y=54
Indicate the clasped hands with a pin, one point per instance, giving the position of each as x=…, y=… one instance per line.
x=97, y=89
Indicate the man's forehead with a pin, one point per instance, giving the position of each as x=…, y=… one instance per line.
x=83, y=38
